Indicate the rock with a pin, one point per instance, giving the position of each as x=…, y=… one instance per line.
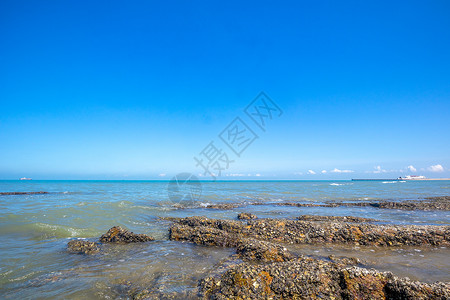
x=203, y=235
x=246, y=216
x=251, y=249
x=307, y=278
x=118, y=234
x=83, y=247
x=345, y=261
x=23, y=193
x=335, y=218
x=308, y=232
x=224, y=206
x=269, y=271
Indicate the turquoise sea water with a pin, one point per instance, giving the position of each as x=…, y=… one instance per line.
x=34, y=231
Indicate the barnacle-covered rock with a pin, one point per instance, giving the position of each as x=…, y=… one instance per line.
x=246, y=216
x=118, y=234
x=82, y=247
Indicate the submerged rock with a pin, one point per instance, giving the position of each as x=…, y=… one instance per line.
x=22, y=193
x=118, y=234
x=335, y=218
x=246, y=216
x=83, y=247
x=430, y=203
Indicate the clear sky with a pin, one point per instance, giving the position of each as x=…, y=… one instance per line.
x=135, y=90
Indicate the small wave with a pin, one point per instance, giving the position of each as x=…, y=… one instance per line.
x=389, y=181
x=41, y=230
x=336, y=184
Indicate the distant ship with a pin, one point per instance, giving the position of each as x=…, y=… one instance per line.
x=412, y=177
x=24, y=178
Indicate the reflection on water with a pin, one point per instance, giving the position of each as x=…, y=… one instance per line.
x=34, y=231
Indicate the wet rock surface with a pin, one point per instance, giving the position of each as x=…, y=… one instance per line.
x=335, y=218
x=83, y=247
x=118, y=234
x=206, y=231
x=270, y=271
x=224, y=206
x=261, y=251
x=246, y=216
x=23, y=193
x=307, y=278
x=430, y=203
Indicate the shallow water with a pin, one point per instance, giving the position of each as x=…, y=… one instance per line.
x=34, y=230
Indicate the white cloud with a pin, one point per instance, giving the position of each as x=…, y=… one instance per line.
x=235, y=175
x=311, y=172
x=323, y=171
x=412, y=169
x=298, y=173
x=379, y=170
x=336, y=170
x=436, y=168
x=162, y=175
x=258, y=175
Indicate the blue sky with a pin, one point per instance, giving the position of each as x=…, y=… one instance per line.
x=115, y=90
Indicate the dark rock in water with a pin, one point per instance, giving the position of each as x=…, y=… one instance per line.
x=251, y=249
x=118, y=234
x=346, y=261
x=350, y=219
x=224, y=206
x=430, y=203
x=307, y=278
x=269, y=271
x=203, y=235
x=246, y=216
x=23, y=193
x=226, y=232
x=83, y=247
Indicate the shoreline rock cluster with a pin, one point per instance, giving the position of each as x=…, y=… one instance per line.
x=116, y=234
x=308, y=278
x=204, y=231
x=427, y=204
x=264, y=268
x=430, y=203
x=269, y=271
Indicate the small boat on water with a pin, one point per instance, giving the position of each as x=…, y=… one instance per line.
x=25, y=178
x=412, y=177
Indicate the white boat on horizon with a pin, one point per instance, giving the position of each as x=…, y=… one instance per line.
x=412, y=177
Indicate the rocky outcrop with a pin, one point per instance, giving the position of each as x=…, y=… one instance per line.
x=308, y=278
x=246, y=216
x=83, y=247
x=206, y=231
x=430, y=203
x=22, y=193
x=118, y=234
x=350, y=219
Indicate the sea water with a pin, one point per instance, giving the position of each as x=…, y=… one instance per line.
x=35, y=229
